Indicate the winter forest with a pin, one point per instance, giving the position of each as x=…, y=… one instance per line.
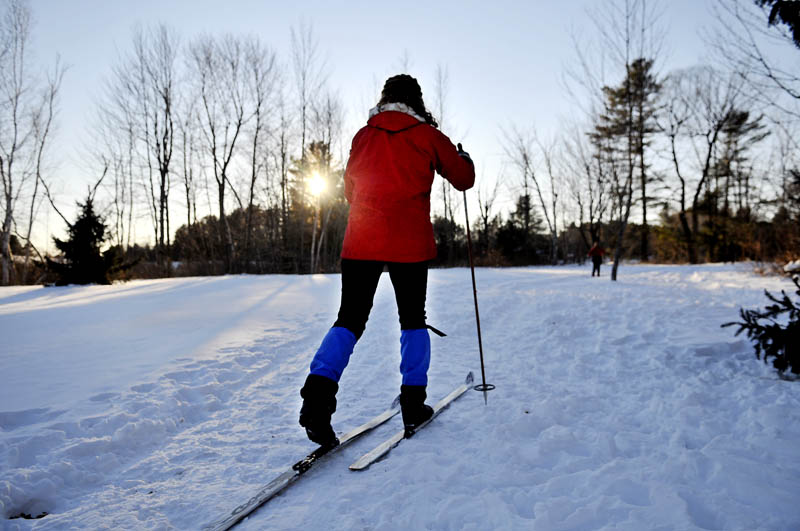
x=213, y=154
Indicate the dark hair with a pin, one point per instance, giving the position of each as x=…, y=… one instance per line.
x=403, y=88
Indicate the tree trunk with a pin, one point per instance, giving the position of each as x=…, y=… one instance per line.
x=312, y=255
x=618, y=251
x=324, y=221
x=225, y=229
x=5, y=238
x=162, y=218
x=8, y=258
x=645, y=244
x=688, y=236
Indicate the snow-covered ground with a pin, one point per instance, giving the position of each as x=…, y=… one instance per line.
x=164, y=404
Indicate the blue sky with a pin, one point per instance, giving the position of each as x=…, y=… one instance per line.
x=505, y=59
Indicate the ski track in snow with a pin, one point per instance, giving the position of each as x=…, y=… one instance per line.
x=618, y=405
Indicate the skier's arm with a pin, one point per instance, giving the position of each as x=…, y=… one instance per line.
x=452, y=165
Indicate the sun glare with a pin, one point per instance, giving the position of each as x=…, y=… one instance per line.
x=316, y=185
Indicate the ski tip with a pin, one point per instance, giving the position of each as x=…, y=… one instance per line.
x=470, y=378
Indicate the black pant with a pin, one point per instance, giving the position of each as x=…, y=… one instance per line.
x=359, y=282
x=596, y=261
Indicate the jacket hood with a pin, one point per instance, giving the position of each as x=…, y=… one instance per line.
x=394, y=117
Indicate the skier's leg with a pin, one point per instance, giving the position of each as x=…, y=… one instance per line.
x=359, y=281
x=410, y=283
x=410, y=286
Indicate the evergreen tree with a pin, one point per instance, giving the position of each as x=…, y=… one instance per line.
x=82, y=262
x=740, y=133
x=625, y=129
x=517, y=238
x=450, y=240
x=786, y=12
x=772, y=338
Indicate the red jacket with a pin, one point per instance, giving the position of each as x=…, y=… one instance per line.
x=388, y=184
x=596, y=250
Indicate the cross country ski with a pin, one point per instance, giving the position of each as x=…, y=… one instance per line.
x=384, y=448
x=288, y=477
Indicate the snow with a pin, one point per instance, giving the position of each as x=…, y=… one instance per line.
x=164, y=404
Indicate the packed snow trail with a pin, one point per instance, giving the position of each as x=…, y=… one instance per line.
x=160, y=404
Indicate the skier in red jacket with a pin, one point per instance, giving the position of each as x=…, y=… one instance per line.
x=596, y=252
x=388, y=183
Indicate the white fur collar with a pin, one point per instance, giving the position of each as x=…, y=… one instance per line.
x=399, y=107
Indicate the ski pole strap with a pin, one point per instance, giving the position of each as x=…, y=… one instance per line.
x=435, y=331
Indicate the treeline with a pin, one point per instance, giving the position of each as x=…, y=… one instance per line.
x=232, y=157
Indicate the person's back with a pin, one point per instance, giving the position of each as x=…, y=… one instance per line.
x=596, y=253
x=388, y=184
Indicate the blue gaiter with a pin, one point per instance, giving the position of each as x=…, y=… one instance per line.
x=334, y=353
x=415, y=353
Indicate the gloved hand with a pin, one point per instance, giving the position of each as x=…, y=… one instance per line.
x=464, y=154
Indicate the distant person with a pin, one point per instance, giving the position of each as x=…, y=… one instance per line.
x=388, y=184
x=596, y=252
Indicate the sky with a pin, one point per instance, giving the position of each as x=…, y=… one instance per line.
x=506, y=61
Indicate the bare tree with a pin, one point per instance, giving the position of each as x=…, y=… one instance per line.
x=328, y=118
x=486, y=201
x=219, y=72
x=27, y=107
x=587, y=183
x=631, y=36
x=139, y=113
x=160, y=53
x=188, y=141
x=309, y=73
x=674, y=121
x=712, y=98
x=551, y=205
x=518, y=147
x=115, y=145
x=261, y=81
x=43, y=125
x=281, y=162
x=747, y=43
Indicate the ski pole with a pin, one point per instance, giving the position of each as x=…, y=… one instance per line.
x=482, y=386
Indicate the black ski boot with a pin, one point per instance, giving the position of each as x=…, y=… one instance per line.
x=319, y=403
x=413, y=407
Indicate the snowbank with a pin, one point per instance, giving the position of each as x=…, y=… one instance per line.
x=792, y=267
